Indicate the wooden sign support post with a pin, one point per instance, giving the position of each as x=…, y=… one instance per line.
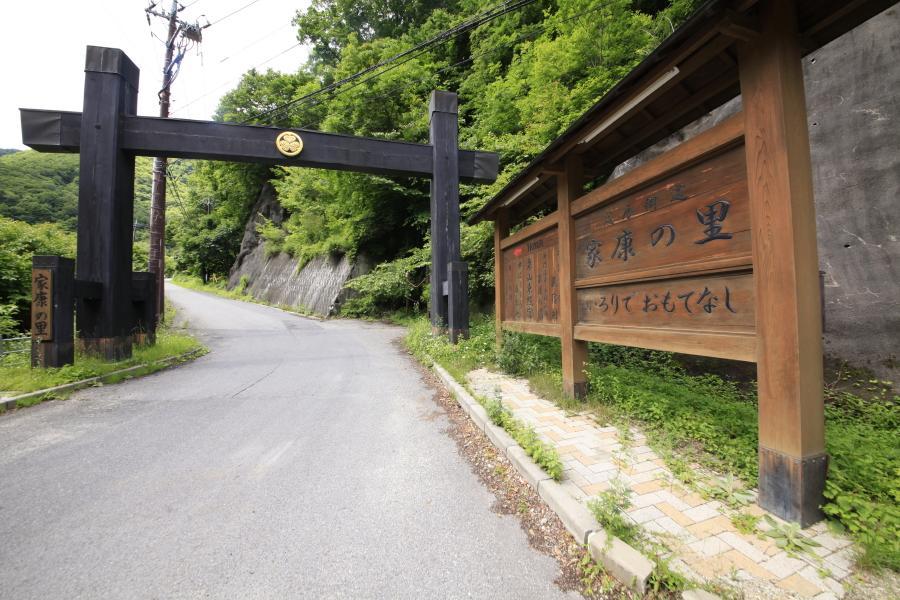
x=574, y=352
x=793, y=462
x=52, y=311
x=106, y=203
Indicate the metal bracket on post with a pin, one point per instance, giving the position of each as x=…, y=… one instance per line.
x=52, y=311
x=458, y=300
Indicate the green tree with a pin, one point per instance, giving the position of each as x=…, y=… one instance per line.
x=19, y=241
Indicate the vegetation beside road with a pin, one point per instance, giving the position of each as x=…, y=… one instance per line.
x=705, y=412
x=17, y=377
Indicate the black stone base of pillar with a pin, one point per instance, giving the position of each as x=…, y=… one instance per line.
x=143, y=306
x=792, y=487
x=111, y=348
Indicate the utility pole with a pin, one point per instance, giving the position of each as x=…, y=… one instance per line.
x=178, y=31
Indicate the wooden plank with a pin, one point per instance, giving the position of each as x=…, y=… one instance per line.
x=729, y=345
x=531, y=279
x=694, y=216
x=698, y=303
x=531, y=230
x=788, y=303
x=57, y=131
x=729, y=132
x=550, y=329
x=574, y=353
x=501, y=230
x=724, y=264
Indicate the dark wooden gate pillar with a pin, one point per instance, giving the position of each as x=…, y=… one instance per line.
x=792, y=459
x=447, y=309
x=106, y=203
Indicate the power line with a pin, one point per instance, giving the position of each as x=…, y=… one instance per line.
x=232, y=13
x=223, y=84
x=474, y=57
x=417, y=50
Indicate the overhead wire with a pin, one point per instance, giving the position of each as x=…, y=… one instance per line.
x=231, y=14
x=223, y=84
x=472, y=58
x=443, y=37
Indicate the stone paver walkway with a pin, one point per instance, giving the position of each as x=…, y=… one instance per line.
x=705, y=544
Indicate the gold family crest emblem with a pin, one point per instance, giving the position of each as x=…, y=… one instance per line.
x=289, y=143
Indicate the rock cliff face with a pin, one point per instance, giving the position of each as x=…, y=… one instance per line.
x=317, y=287
x=854, y=132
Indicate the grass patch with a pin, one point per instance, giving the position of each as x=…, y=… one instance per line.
x=18, y=377
x=470, y=354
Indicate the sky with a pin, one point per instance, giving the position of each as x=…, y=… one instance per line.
x=43, y=44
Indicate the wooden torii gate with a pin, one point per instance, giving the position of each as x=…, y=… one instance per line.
x=108, y=134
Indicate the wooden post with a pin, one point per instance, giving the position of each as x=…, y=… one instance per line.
x=569, y=186
x=793, y=462
x=52, y=311
x=106, y=203
x=445, y=245
x=501, y=230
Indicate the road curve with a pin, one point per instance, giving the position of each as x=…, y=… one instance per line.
x=299, y=459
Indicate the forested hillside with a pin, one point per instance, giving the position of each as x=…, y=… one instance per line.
x=521, y=79
x=38, y=215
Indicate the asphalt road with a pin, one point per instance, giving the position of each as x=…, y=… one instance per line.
x=299, y=459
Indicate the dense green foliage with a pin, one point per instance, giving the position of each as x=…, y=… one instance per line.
x=709, y=419
x=19, y=241
x=521, y=78
x=39, y=187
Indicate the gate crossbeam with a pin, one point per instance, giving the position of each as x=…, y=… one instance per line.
x=59, y=131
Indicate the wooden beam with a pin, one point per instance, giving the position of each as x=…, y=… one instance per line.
x=550, y=329
x=57, y=131
x=528, y=231
x=574, y=353
x=730, y=345
x=793, y=462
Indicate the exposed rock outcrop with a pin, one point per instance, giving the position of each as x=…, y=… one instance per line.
x=317, y=287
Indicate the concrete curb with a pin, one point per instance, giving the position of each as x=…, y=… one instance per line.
x=11, y=403
x=621, y=560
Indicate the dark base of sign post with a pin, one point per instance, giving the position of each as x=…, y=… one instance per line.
x=790, y=487
x=111, y=348
x=46, y=355
x=458, y=300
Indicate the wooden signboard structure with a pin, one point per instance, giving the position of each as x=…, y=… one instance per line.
x=710, y=247
x=109, y=135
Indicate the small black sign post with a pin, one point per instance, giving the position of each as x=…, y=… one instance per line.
x=52, y=311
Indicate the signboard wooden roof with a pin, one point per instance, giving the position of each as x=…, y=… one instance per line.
x=692, y=72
